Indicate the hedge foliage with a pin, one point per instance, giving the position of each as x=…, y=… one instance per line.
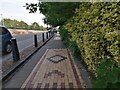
x=95, y=30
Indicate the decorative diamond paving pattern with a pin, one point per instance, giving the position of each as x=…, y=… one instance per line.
x=56, y=58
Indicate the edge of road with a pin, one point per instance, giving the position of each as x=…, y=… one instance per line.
x=19, y=64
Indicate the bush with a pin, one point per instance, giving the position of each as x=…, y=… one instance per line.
x=71, y=44
x=94, y=30
x=64, y=35
x=113, y=43
x=108, y=75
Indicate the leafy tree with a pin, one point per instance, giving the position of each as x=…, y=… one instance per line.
x=7, y=22
x=23, y=25
x=56, y=14
x=35, y=25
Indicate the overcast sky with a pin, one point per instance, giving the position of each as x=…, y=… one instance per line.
x=14, y=9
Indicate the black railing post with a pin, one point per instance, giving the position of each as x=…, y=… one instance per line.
x=35, y=40
x=52, y=33
x=49, y=33
x=46, y=35
x=15, y=50
x=43, y=37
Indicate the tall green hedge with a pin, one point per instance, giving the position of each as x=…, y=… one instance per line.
x=95, y=30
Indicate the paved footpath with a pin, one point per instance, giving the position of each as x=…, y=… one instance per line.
x=54, y=69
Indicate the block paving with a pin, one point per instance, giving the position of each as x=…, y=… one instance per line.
x=56, y=69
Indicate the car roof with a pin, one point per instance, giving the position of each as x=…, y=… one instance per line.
x=2, y=26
